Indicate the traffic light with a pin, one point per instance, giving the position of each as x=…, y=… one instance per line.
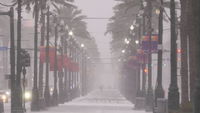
x=25, y=58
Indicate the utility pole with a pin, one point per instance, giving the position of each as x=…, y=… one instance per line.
x=35, y=92
x=149, y=96
x=173, y=95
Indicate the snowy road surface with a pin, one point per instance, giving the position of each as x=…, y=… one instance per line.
x=106, y=101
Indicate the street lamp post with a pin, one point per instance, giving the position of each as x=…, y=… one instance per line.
x=159, y=92
x=66, y=75
x=12, y=57
x=144, y=63
x=138, y=104
x=70, y=73
x=76, y=73
x=73, y=72
x=149, y=96
x=173, y=94
x=47, y=92
x=35, y=93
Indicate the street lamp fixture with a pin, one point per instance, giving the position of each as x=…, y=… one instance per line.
x=126, y=41
x=82, y=45
x=123, y=51
x=144, y=3
x=137, y=41
x=71, y=33
x=132, y=27
x=158, y=11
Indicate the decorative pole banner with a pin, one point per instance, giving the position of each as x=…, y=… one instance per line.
x=60, y=62
x=66, y=62
x=142, y=56
x=154, y=43
x=51, y=54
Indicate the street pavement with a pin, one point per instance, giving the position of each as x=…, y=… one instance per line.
x=98, y=101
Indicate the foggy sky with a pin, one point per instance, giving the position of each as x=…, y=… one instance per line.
x=97, y=28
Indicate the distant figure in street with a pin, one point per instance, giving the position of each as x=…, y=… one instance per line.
x=101, y=88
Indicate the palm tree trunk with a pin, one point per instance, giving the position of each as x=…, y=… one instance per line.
x=35, y=99
x=195, y=6
x=192, y=50
x=41, y=65
x=184, y=55
x=18, y=90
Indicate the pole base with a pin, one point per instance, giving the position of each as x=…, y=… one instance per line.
x=47, y=97
x=55, y=98
x=197, y=98
x=42, y=103
x=162, y=105
x=149, y=100
x=173, y=99
x=159, y=92
x=140, y=103
x=35, y=100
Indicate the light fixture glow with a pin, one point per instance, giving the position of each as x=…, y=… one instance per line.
x=157, y=11
x=137, y=42
x=132, y=27
x=71, y=33
x=123, y=51
x=82, y=45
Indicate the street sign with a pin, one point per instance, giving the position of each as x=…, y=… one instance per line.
x=146, y=45
x=3, y=48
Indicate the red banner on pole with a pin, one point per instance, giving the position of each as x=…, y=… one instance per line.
x=51, y=54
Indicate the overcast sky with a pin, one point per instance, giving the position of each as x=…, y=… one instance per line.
x=97, y=28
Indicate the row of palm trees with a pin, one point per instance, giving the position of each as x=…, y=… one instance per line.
x=125, y=12
x=50, y=14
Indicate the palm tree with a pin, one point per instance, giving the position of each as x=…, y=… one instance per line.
x=184, y=51
x=73, y=19
x=195, y=30
x=41, y=6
